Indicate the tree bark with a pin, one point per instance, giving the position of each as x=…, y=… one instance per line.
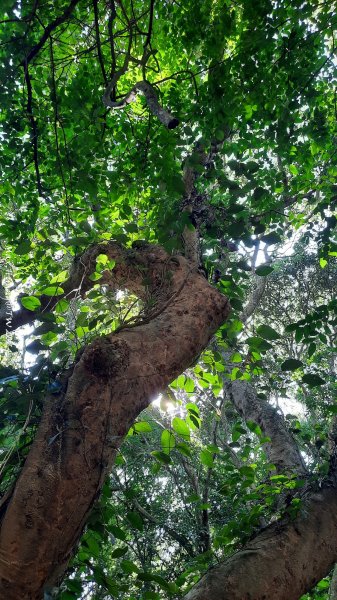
x=164, y=116
x=112, y=381
x=283, y=562
x=333, y=585
x=282, y=450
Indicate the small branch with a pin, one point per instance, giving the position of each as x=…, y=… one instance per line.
x=98, y=42
x=112, y=17
x=34, y=131
x=53, y=25
x=181, y=539
x=110, y=88
x=149, y=33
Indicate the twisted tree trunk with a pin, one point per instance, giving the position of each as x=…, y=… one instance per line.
x=113, y=380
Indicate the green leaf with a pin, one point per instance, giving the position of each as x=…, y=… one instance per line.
x=193, y=408
x=155, y=578
x=254, y=427
x=181, y=428
x=142, y=427
x=247, y=471
x=237, y=432
x=264, y=270
x=135, y=520
x=184, y=449
x=271, y=238
x=61, y=307
x=259, y=344
x=52, y=290
x=95, y=276
x=167, y=441
x=161, y=457
x=102, y=259
x=117, y=532
x=291, y=364
x=293, y=169
x=30, y=302
x=267, y=332
x=129, y=567
x=23, y=248
x=189, y=385
x=313, y=380
x=60, y=278
x=206, y=458
x=120, y=551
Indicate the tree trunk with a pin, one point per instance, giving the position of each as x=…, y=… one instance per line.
x=283, y=562
x=282, y=450
x=333, y=585
x=113, y=380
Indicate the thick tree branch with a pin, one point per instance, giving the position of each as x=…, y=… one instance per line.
x=127, y=270
x=259, y=286
x=284, y=561
x=282, y=450
x=255, y=298
x=113, y=380
x=150, y=95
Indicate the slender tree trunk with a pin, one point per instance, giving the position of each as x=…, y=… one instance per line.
x=113, y=380
x=333, y=585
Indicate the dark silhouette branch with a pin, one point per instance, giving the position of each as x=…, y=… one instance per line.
x=48, y=30
x=98, y=42
x=34, y=130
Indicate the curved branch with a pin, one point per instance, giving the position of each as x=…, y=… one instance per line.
x=127, y=272
x=278, y=563
x=145, y=88
x=113, y=380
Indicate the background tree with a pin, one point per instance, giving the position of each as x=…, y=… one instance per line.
x=157, y=160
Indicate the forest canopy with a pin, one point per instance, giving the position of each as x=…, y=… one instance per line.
x=168, y=311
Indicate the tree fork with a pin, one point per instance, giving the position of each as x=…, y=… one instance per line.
x=112, y=381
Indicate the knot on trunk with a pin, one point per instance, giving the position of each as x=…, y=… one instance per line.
x=106, y=358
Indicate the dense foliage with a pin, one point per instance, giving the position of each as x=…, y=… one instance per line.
x=251, y=167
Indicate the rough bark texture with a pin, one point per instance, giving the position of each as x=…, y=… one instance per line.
x=113, y=380
x=282, y=451
x=283, y=562
x=333, y=585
